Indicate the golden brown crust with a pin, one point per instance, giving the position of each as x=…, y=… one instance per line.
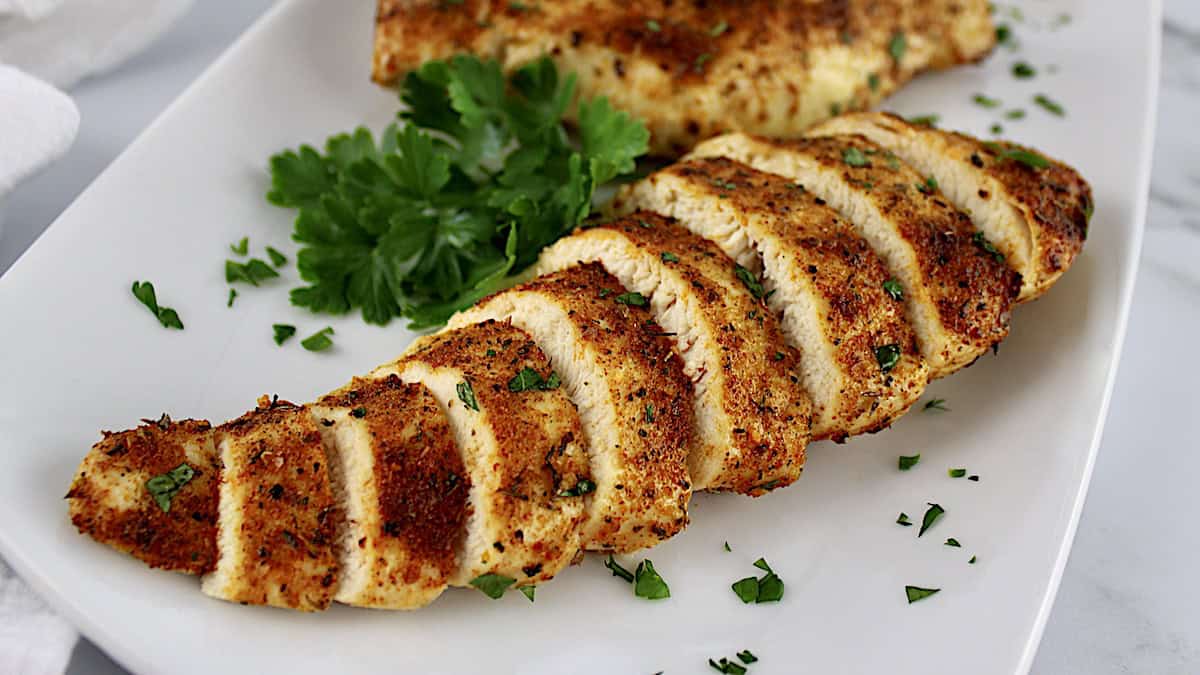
x=274, y=463
x=847, y=280
x=109, y=501
x=761, y=391
x=537, y=461
x=695, y=69
x=420, y=483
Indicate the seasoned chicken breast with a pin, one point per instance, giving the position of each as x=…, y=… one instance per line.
x=278, y=519
x=634, y=401
x=752, y=415
x=1036, y=216
x=520, y=447
x=826, y=283
x=694, y=69
x=400, y=478
x=110, y=498
x=958, y=290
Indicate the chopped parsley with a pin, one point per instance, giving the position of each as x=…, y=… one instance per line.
x=669, y=257
x=359, y=412
x=232, y=296
x=726, y=666
x=897, y=46
x=144, y=292
x=925, y=120
x=277, y=259
x=648, y=583
x=1015, y=114
x=633, y=298
x=1028, y=158
x=934, y=512
x=718, y=29
x=915, y=593
x=528, y=591
x=982, y=242
x=973, y=477
x=997, y=129
x=1049, y=105
x=701, y=61
x=254, y=271
x=653, y=26
x=582, y=487
x=752, y=283
x=648, y=413
x=1023, y=70
x=746, y=657
x=887, y=356
x=529, y=379
x=164, y=487
x=873, y=82
x=986, y=102
x=854, y=157
x=938, y=404
x=466, y=394
x=903, y=520
x=956, y=473
x=1003, y=33
x=971, y=561
x=953, y=543
x=618, y=570
x=318, y=341
x=493, y=585
x=767, y=588
x=907, y=463
x=242, y=247
x=727, y=549
x=893, y=288
x=283, y=332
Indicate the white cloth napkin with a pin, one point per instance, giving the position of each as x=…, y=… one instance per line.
x=46, y=44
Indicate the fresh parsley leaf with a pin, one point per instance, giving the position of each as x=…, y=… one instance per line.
x=582, y=487
x=925, y=120
x=277, y=259
x=653, y=26
x=897, y=46
x=915, y=593
x=648, y=413
x=493, y=585
x=728, y=667
x=1023, y=70
x=770, y=589
x=359, y=412
x=982, y=242
x=746, y=589
x=1003, y=33
x=727, y=549
x=283, y=332
x=466, y=394
x=953, y=543
x=746, y=657
x=164, y=487
x=893, y=288
x=528, y=591
x=632, y=298
x=1027, y=157
x=232, y=296
x=934, y=512
x=242, y=247
x=767, y=588
x=648, y=583
x=985, y=101
x=144, y=292
x=938, y=404
x=319, y=341
x=997, y=129
x=854, y=157
x=1049, y=105
x=618, y=570
x=971, y=561
x=529, y=379
x=718, y=29
x=887, y=356
x=254, y=271
x=1015, y=114
x=903, y=520
x=956, y=473
x=669, y=257
x=873, y=82
x=752, y=283
x=907, y=462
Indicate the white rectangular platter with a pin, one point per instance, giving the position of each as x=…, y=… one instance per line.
x=78, y=354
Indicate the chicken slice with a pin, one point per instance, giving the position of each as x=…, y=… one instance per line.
x=1036, y=216
x=751, y=413
x=822, y=278
x=957, y=288
x=520, y=446
x=279, y=521
x=633, y=398
x=692, y=70
x=113, y=496
x=400, y=478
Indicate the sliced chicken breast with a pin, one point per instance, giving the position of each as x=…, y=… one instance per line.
x=634, y=401
x=858, y=356
x=400, y=479
x=520, y=446
x=152, y=493
x=752, y=416
x=1035, y=215
x=279, y=521
x=957, y=288
x=691, y=70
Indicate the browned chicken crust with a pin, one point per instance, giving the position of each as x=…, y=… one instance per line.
x=697, y=68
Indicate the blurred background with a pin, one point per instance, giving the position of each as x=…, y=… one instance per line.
x=1128, y=601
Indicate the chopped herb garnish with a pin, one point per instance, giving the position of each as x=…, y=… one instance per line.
x=971, y=561
x=728, y=667
x=986, y=102
x=1015, y=114
x=359, y=412
x=893, y=288
x=144, y=292
x=907, y=463
x=997, y=129
x=934, y=512
x=925, y=120
x=702, y=60
x=232, y=297
x=887, y=356
x=973, y=477
x=648, y=583
x=1050, y=106
x=1023, y=70
x=915, y=593
x=1026, y=157
x=648, y=413
x=582, y=487
x=746, y=657
x=746, y=589
x=903, y=520
x=897, y=46
x=873, y=82
x=466, y=394
x=779, y=356
x=653, y=26
x=283, y=332
x=164, y=487
x=752, y=283
x=718, y=29
x=1003, y=33
x=493, y=585
x=669, y=257
x=727, y=549
x=767, y=588
x=618, y=570
x=253, y=271
x=956, y=473
x=935, y=404
x=242, y=247
x=854, y=157
x=528, y=591
x=490, y=352
x=633, y=298
x=953, y=543
x=530, y=380
x=982, y=242
x=318, y=341
x=277, y=259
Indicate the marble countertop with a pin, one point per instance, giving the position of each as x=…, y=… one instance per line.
x=1129, y=601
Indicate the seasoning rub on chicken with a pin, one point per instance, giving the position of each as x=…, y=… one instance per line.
x=691, y=70
x=753, y=296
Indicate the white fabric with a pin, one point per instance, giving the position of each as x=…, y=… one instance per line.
x=33, y=639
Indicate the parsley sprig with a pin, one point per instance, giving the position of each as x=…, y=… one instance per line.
x=473, y=181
